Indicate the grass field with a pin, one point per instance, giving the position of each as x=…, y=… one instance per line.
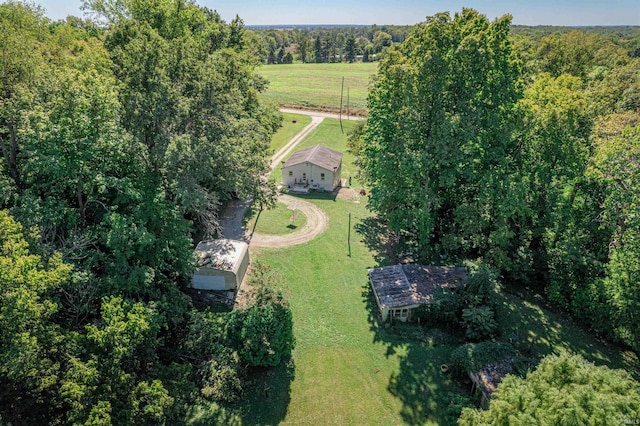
x=277, y=221
x=318, y=85
x=288, y=130
x=349, y=369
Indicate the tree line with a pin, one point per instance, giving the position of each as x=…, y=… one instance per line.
x=326, y=45
x=120, y=142
x=369, y=43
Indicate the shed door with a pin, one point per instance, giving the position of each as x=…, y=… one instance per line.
x=208, y=282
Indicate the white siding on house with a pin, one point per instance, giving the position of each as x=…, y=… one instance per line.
x=312, y=175
x=315, y=167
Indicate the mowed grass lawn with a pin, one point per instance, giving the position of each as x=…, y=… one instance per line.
x=318, y=85
x=277, y=221
x=292, y=124
x=346, y=367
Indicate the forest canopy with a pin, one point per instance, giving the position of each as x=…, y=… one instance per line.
x=119, y=144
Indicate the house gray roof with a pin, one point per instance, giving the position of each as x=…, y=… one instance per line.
x=319, y=155
x=220, y=254
x=408, y=285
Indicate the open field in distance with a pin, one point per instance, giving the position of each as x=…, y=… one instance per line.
x=318, y=85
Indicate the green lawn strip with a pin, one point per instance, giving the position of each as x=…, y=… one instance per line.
x=276, y=221
x=288, y=130
x=318, y=85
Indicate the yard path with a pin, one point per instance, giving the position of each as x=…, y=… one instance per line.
x=285, y=150
x=232, y=218
x=317, y=221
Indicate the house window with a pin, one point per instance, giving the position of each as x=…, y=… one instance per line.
x=290, y=172
x=321, y=176
x=304, y=176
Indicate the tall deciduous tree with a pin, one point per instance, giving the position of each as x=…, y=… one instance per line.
x=23, y=31
x=190, y=97
x=439, y=135
x=564, y=390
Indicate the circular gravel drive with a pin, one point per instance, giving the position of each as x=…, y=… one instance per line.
x=317, y=221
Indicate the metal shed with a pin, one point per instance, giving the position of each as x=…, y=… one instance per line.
x=221, y=264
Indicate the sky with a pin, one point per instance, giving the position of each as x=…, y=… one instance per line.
x=402, y=12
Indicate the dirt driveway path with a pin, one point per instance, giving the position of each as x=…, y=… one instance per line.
x=317, y=221
x=232, y=218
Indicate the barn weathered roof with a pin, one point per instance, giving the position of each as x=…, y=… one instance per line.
x=407, y=285
x=220, y=254
x=491, y=375
x=319, y=155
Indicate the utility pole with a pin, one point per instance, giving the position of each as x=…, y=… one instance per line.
x=348, y=111
x=341, y=94
x=349, y=236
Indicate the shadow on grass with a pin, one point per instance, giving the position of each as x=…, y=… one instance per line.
x=427, y=394
x=537, y=332
x=377, y=237
x=327, y=195
x=265, y=402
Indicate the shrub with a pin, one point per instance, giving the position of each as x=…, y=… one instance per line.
x=445, y=309
x=473, y=356
x=263, y=333
x=479, y=322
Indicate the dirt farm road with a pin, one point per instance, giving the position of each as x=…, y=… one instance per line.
x=320, y=114
x=232, y=218
x=317, y=221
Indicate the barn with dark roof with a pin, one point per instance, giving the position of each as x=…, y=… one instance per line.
x=399, y=289
x=316, y=168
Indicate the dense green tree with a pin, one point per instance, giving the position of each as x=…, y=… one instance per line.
x=381, y=40
x=564, y=390
x=23, y=32
x=116, y=139
x=615, y=163
x=350, y=48
x=263, y=332
x=280, y=56
x=30, y=361
x=551, y=158
x=303, y=47
x=317, y=50
x=439, y=134
x=205, y=142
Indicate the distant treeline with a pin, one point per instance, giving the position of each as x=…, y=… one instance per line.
x=348, y=43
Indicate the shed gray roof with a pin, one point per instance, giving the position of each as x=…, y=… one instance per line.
x=319, y=155
x=408, y=285
x=220, y=254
